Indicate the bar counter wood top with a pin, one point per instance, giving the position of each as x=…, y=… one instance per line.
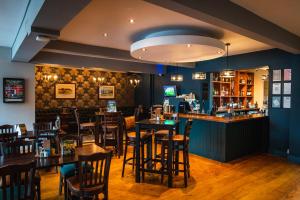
x=232, y=119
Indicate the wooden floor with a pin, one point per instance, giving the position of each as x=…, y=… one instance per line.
x=259, y=177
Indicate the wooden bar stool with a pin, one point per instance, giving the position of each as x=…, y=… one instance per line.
x=181, y=144
x=130, y=134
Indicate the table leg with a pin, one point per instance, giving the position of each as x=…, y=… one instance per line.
x=170, y=158
x=137, y=154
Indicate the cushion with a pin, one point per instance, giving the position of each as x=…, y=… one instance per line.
x=68, y=170
x=130, y=122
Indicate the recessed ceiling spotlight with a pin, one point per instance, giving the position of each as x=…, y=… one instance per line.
x=143, y=49
x=105, y=34
x=140, y=57
x=188, y=45
x=131, y=21
x=219, y=52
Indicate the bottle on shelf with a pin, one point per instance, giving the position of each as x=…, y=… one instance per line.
x=248, y=92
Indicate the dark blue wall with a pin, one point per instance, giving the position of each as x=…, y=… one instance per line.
x=284, y=128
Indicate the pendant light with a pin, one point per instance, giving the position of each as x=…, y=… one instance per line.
x=227, y=73
x=177, y=77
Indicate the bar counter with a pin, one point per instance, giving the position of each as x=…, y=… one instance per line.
x=225, y=139
x=220, y=119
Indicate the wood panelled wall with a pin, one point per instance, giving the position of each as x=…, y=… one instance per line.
x=86, y=88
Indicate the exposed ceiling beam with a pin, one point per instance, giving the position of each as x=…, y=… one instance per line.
x=230, y=16
x=43, y=17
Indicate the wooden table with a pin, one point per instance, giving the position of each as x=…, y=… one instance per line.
x=156, y=125
x=52, y=161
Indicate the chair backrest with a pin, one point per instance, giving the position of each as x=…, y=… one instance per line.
x=7, y=129
x=129, y=122
x=112, y=118
x=98, y=175
x=42, y=127
x=187, y=129
x=17, y=181
x=8, y=137
x=70, y=137
x=18, y=147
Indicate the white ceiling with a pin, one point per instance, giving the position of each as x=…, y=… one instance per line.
x=11, y=15
x=112, y=17
x=284, y=13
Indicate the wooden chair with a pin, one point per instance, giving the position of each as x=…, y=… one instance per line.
x=130, y=134
x=5, y=140
x=90, y=183
x=22, y=147
x=84, y=129
x=181, y=143
x=68, y=170
x=111, y=131
x=18, y=181
x=7, y=129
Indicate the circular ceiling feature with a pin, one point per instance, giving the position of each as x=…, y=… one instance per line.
x=177, y=48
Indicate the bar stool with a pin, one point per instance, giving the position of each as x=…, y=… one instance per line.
x=181, y=144
x=146, y=138
x=111, y=127
x=160, y=134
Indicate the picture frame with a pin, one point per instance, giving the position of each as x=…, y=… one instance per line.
x=13, y=90
x=287, y=74
x=277, y=75
x=276, y=89
x=286, y=102
x=65, y=91
x=106, y=92
x=276, y=101
x=287, y=88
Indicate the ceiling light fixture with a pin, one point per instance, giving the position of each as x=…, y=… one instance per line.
x=131, y=21
x=42, y=38
x=105, y=34
x=227, y=73
x=172, y=45
x=144, y=49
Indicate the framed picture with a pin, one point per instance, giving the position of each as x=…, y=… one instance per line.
x=287, y=75
x=276, y=102
x=286, y=102
x=287, y=88
x=65, y=91
x=276, y=88
x=106, y=92
x=13, y=90
x=277, y=75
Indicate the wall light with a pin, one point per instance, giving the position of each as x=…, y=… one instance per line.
x=199, y=76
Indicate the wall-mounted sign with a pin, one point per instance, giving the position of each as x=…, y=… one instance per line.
x=287, y=102
x=276, y=88
x=287, y=88
x=277, y=75
x=287, y=75
x=276, y=102
x=13, y=90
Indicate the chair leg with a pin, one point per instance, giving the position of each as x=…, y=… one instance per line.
x=60, y=184
x=143, y=160
x=124, y=160
x=188, y=161
x=162, y=156
x=65, y=188
x=185, y=167
x=133, y=158
x=38, y=190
